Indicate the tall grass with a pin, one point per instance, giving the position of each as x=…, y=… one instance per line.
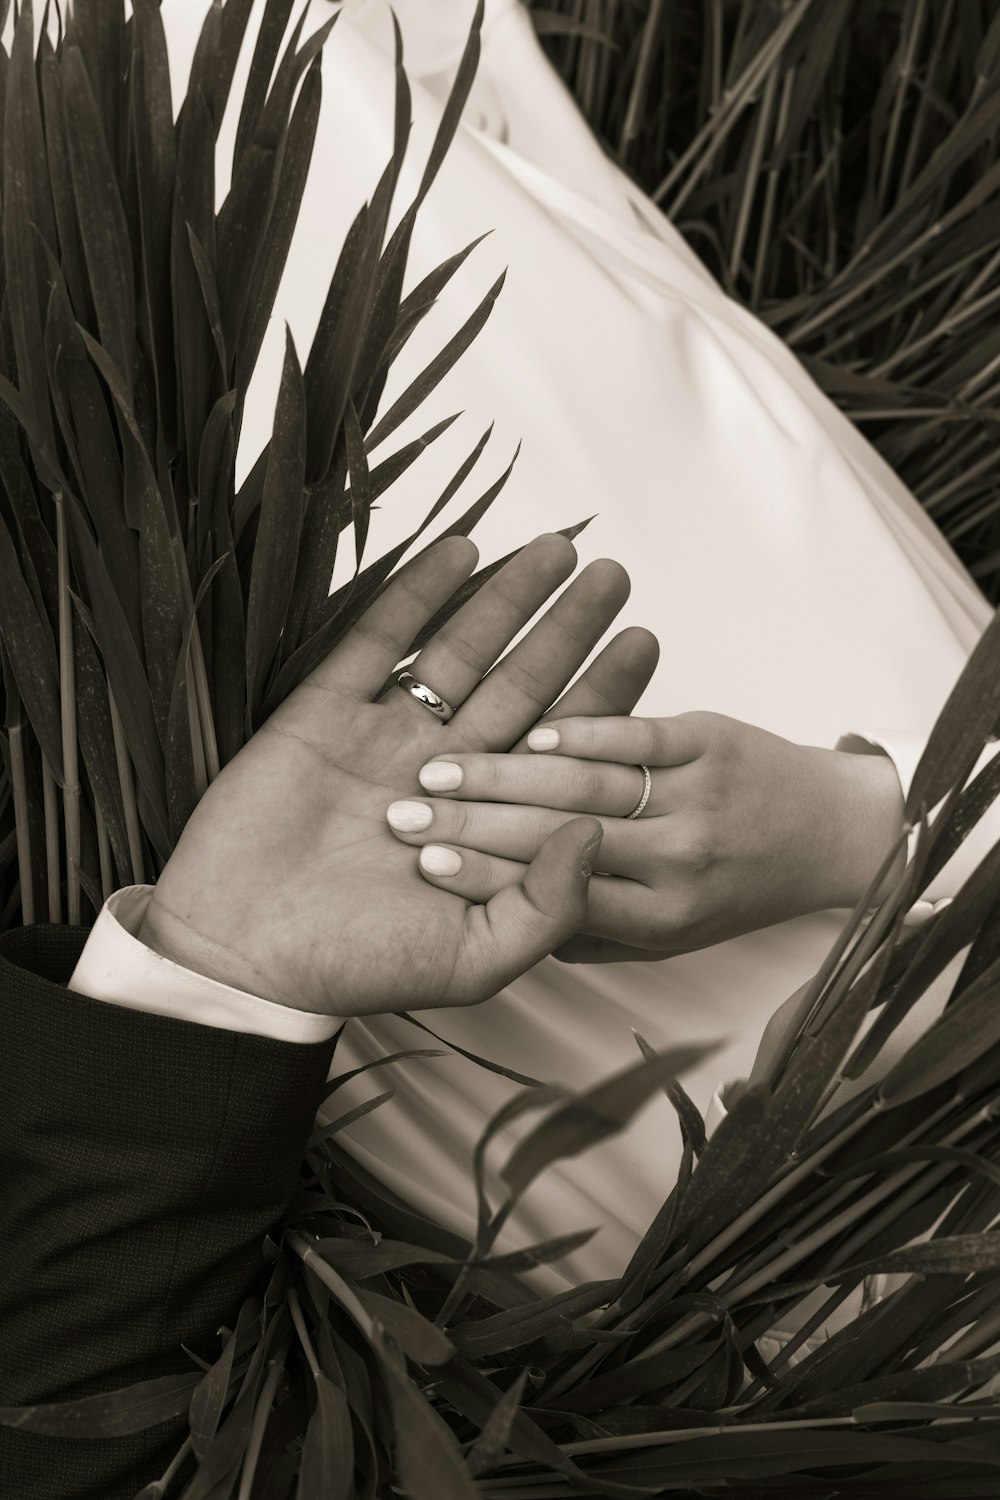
x=151, y=615
x=836, y=164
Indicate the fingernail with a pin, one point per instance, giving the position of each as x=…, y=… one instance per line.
x=440, y=776
x=409, y=817
x=439, y=861
x=543, y=739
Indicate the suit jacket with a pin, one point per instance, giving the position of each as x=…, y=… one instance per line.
x=142, y=1162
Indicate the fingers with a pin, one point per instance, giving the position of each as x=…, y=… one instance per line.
x=613, y=683
x=455, y=661
x=529, y=679
x=623, y=911
x=510, y=833
x=525, y=920
x=582, y=786
x=651, y=742
x=382, y=637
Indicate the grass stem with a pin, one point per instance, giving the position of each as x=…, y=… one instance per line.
x=67, y=709
x=53, y=863
x=133, y=828
x=104, y=854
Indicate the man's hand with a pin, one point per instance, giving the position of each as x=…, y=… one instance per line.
x=287, y=881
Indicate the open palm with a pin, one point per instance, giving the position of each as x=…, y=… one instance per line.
x=287, y=881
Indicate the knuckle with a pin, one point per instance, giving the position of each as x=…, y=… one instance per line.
x=590, y=788
x=455, y=819
x=692, y=846
x=488, y=774
x=647, y=733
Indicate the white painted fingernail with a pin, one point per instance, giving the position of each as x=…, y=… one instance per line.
x=409, y=817
x=543, y=739
x=439, y=861
x=440, y=776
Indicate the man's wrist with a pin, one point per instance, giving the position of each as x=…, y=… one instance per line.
x=180, y=942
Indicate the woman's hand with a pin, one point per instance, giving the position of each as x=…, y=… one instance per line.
x=742, y=828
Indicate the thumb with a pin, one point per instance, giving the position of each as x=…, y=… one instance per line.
x=522, y=923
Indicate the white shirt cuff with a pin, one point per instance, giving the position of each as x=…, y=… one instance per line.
x=114, y=966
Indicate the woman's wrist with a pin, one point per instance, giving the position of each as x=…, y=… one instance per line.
x=865, y=808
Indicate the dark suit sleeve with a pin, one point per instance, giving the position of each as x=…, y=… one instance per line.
x=142, y=1161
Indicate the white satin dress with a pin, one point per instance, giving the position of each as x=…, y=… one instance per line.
x=791, y=578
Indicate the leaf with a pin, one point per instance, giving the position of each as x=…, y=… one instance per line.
x=203, y=78
x=428, y=1458
x=326, y=1468
x=101, y=216
x=212, y=1391
x=265, y=55
x=973, y=804
x=179, y=766
x=98, y=29
x=29, y=643
x=96, y=739
x=361, y=1259
x=594, y=1114
x=361, y=499
x=341, y=1079
x=72, y=260
x=193, y=209
x=969, y=717
x=517, y=1326
x=963, y=1254
x=99, y=465
x=152, y=126
x=163, y=612
x=113, y=1414
x=539, y=1254
x=210, y=294
x=691, y=1122
x=887, y=1161
x=482, y=1062
x=937, y=1382
x=960, y=1036
x=249, y=319
x=228, y=630
x=385, y=474
x=333, y=1127
x=277, y=546
x=457, y=100
x=419, y=1339
x=638, y=1378
x=329, y=371
x=431, y=376
x=27, y=206
x=491, y=1444
x=943, y=939
x=128, y=683
x=658, y=1237
x=475, y=1397
x=755, y=1139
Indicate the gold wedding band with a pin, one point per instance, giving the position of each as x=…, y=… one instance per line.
x=647, y=787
